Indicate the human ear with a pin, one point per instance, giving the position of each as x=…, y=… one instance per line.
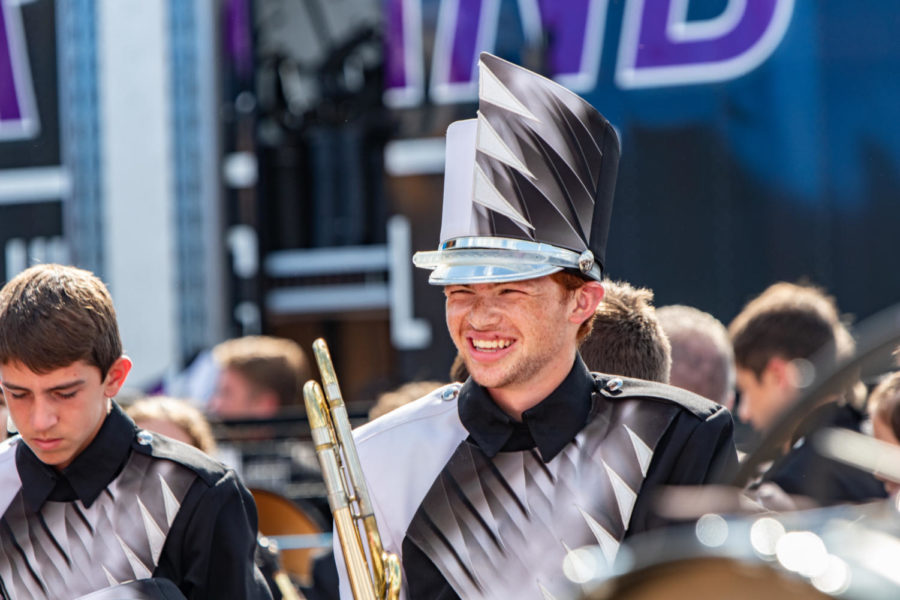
x=116, y=376
x=587, y=298
x=781, y=373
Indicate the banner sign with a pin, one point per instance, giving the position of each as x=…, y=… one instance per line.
x=18, y=113
x=659, y=45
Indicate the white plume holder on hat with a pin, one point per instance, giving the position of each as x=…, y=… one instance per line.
x=458, y=218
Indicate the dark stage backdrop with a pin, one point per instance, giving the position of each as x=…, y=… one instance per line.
x=758, y=146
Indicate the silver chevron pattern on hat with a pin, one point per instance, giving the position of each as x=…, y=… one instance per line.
x=537, y=149
x=501, y=527
x=69, y=550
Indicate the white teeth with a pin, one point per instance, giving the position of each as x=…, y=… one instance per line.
x=491, y=344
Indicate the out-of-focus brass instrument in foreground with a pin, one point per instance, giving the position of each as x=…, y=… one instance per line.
x=348, y=495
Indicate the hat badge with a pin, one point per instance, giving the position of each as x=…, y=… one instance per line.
x=586, y=261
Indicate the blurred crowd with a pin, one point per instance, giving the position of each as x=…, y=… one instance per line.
x=756, y=367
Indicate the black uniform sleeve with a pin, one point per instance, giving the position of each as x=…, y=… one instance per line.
x=805, y=472
x=210, y=550
x=693, y=451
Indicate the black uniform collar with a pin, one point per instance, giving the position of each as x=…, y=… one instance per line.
x=89, y=473
x=549, y=425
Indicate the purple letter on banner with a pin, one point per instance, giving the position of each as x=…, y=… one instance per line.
x=18, y=118
x=464, y=29
x=468, y=27
x=659, y=46
x=403, y=68
x=574, y=30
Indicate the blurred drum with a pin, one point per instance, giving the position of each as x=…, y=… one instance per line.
x=846, y=552
x=709, y=577
x=279, y=516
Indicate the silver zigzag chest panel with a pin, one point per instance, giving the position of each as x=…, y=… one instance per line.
x=500, y=527
x=67, y=550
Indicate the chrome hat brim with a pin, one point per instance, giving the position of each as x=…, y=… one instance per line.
x=496, y=260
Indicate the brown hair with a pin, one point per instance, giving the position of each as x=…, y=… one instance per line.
x=571, y=282
x=179, y=413
x=702, y=357
x=269, y=363
x=884, y=402
x=789, y=321
x=627, y=339
x=52, y=316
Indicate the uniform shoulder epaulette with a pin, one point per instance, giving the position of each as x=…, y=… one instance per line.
x=440, y=401
x=9, y=443
x=159, y=446
x=8, y=453
x=616, y=387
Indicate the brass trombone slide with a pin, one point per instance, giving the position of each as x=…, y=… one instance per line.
x=348, y=495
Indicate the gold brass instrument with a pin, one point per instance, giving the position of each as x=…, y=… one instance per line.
x=348, y=495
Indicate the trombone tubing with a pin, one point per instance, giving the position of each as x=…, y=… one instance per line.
x=349, y=458
x=348, y=534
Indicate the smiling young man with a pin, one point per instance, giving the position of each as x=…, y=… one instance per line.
x=515, y=337
x=89, y=501
x=482, y=488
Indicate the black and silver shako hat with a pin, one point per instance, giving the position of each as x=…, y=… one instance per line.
x=528, y=185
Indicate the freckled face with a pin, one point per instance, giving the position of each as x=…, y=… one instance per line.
x=511, y=334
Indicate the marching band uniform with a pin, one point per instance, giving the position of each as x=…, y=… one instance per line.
x=477, y=504
x=569, y=473
x=133, y=505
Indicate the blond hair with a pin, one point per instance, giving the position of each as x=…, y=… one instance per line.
x=404, y=394
x=178, y=412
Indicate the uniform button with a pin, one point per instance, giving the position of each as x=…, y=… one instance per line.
x=450, y=393
x=144, y=437
x=614, y=385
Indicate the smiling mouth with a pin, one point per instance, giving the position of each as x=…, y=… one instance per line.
x=491, y=345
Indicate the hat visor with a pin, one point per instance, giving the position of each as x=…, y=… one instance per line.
x=483, y=265
x=462, y=274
